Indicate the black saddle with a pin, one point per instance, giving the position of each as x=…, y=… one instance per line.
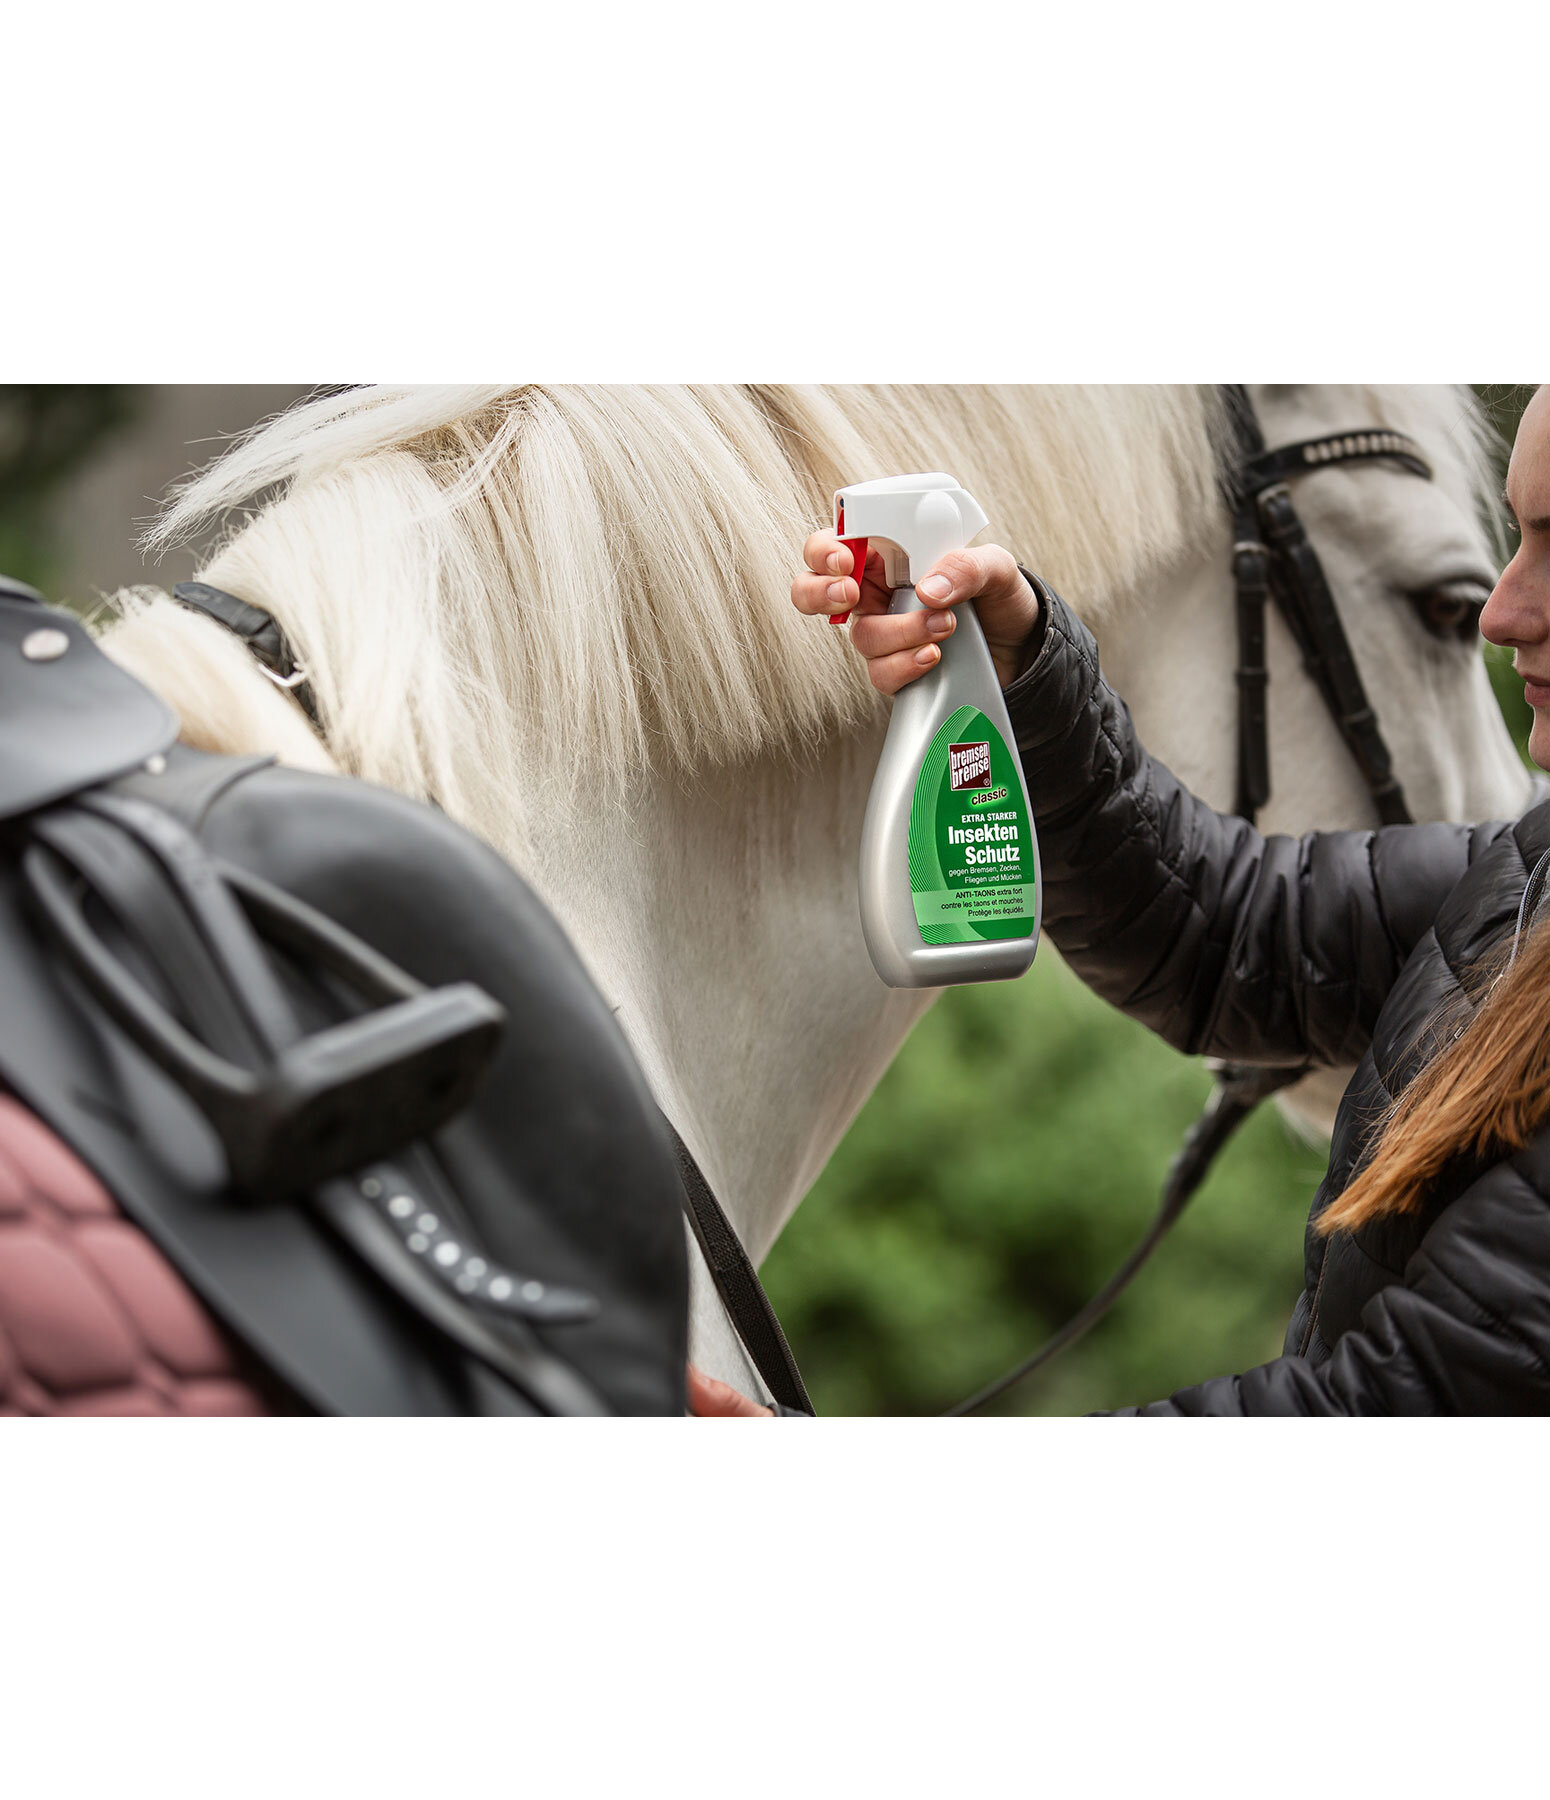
x=333, y=1055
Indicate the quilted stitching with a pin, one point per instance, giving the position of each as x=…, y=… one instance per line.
x=93, y=1318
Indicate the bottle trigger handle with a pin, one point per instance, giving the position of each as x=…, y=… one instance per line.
x=857, y=549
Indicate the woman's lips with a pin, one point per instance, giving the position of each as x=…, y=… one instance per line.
x=1537, y=693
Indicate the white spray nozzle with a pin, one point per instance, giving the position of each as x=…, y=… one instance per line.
x=912, y=519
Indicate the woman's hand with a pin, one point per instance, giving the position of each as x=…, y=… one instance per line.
x=711, y=1399
x=900, y=650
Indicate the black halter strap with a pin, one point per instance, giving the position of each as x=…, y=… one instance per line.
x=262, y=635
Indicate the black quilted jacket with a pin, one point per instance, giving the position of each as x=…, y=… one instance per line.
x=1343, y=946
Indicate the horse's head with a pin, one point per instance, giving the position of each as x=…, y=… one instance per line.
x=1409, y=562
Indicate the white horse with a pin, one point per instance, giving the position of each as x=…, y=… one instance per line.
x=562, y=613
x=1389, y=543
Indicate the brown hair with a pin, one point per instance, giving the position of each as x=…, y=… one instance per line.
x=1479, y=1099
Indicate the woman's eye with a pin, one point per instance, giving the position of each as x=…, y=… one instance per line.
x=1452, y=608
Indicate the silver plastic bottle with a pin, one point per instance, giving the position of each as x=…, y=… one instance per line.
x=950, y=888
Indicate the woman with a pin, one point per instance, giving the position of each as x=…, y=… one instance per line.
x=1419, y=949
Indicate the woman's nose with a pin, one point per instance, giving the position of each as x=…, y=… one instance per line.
x=1518, y=611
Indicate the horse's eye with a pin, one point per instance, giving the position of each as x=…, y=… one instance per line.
x=1453, y=608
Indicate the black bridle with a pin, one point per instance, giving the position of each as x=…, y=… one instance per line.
x=1272, y=560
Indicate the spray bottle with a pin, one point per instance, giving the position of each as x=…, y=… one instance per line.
x=949, y=884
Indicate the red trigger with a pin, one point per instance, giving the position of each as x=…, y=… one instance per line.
x=857, y=549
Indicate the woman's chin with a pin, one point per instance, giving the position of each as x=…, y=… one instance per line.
x=1539, y=741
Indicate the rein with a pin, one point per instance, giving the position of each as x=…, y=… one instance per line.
x=1272, y=560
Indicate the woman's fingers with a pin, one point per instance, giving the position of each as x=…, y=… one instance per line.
x=890, y=673
x=712, y=1399
x=824, y=554
x=824, y=594
x=989, y=573
x=901, y=649
x=830, y=583
x=827, y=587
x=881, y=634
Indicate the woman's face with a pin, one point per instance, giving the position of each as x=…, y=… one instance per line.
x=1518, y=613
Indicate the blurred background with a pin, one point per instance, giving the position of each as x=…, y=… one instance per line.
x=924, y=1261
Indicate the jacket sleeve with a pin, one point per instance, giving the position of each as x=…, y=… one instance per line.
x=1224, y=942
x=1465, y=1330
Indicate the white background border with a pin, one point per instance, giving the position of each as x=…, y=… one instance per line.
x=838, y=192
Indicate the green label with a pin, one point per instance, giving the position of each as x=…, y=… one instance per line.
x=971, y=846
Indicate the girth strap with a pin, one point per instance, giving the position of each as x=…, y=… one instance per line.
x=738, y=1284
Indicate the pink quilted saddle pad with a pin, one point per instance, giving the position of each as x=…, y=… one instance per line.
x=93, y=1318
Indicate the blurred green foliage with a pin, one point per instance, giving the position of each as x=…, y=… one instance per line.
x=1004, y=1167
x=46, y=431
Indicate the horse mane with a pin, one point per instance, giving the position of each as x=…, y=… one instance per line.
x=591, y=582
x=574, y=584
x=495, y=587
